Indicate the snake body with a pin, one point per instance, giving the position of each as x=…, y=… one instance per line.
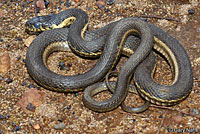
x=40, y=49
x=150, y=90
x=180, y=64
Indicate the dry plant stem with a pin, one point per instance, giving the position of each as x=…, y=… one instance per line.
x=35, y=7
x=161, y=124
x=158, y=17
x=170, y=108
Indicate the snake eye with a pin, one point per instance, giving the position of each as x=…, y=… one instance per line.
x=37, y=25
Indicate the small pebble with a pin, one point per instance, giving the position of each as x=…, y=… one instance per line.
x=24, y=83
x=24, y=60
x=37, y=126
x=31, y=86
x=67, y=107
x=198, y=84
x=1, y=40
x=62, y=65
x=19, y=38
x=58, y=7
x=7, y=116
x=107, y=10
x=22, y=4
x=191, y=101
x=182, y=114
x=195, y=111
x=9, y=80
x=8, y=45
x=29, y=1
x=13, y=124
x=191, y=11
x=101, y=4
x=67, y=4
x=3, y=122
x=61, y=2
x=46, y=3
x=68, y=66
x=18, y=58
x=198, y=30
x=177, y=118
x=1, y=117
x=110, y=2
x=1, y=78
x=60, y=119
x=30, y=107
x=17, y=128
x=76, y=94
x=119, y=14
x=144, y=127
x=60, y=126
x=89, y=8
x=161, y=116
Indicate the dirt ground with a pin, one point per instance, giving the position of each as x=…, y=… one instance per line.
x=26, y=107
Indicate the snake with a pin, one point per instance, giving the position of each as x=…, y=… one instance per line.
x=56, y=39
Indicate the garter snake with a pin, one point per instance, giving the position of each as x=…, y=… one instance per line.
x=40, y=49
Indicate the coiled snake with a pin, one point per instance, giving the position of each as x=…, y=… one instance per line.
x=93, y=44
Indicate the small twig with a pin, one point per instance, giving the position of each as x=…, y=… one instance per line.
x=35, y=7
x=172, y=109
x=158, y=17
x=161, y=124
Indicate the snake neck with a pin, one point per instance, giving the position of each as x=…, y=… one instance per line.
x=86, y=48
x=79, y=24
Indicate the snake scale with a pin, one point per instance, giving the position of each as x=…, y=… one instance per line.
x=97, y=43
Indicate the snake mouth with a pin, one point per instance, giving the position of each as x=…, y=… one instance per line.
x=31, y=28
x=36, y=27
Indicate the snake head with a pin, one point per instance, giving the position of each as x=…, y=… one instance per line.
x=38, y=24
